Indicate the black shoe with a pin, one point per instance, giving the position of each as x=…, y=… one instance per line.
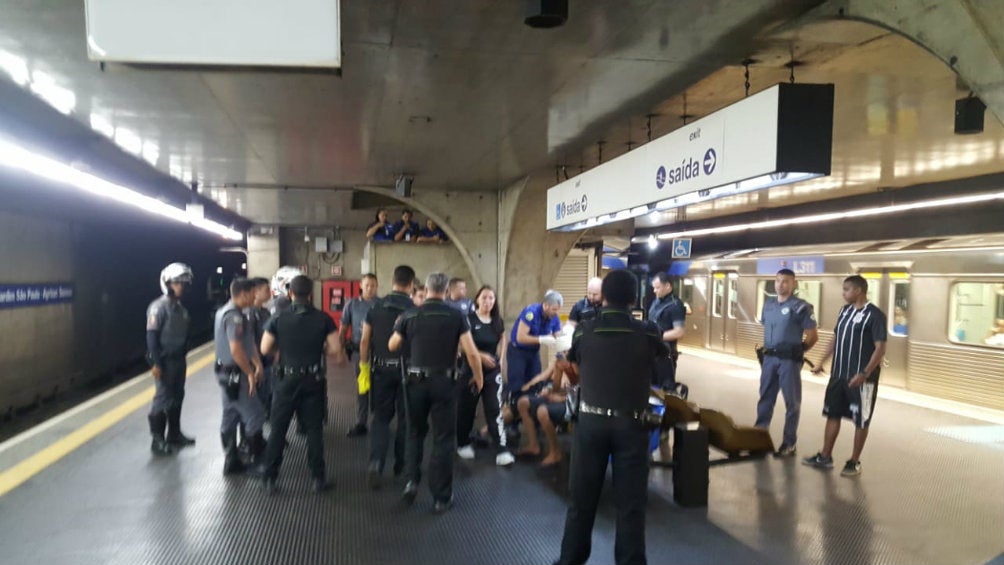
x=357, y=430
x=409, y=494
x=398, y=469
x=271, y=485
x=160, y=448
x=373, y=476
x=179, y=439
x=321, y=485
x=441, y=506
x=232, y=464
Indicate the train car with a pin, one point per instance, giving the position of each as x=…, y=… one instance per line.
x=943, y=297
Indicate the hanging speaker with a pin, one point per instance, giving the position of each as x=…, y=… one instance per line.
x=402, y=187
x=969, y=115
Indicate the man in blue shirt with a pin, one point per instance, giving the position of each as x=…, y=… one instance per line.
x=586, y=308
x=669, y=313
x=456, y=296
x=432, y=233
x=406, y=229
x=538, y=324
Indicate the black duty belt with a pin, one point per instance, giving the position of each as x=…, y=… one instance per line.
x=421, y=373
x=221, y=368
x=309, y=370
x=586, y=408
x=783, y=353
x=388, y=362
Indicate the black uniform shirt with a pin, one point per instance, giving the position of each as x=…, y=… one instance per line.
x=300, y=332
x=381, y=318
x=582, y=310
x=486, y=335
x=616, y=355
x=431, y=333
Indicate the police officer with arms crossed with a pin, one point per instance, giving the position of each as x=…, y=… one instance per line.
x=166, y=340
x=614, y=355
x=585, y=309
x=238, y=371
x=786, y=319
x=431, y=334
x=669, y=313
x=353, y=316
x=302, y=335
x=384, y=372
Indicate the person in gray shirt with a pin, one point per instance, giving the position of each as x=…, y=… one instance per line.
x=166, y=340
x=789, y=330
x=353, y=317
x=456, y=296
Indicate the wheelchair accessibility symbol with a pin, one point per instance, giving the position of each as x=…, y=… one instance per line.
x=681, y=248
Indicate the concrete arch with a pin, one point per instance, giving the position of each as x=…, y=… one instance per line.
x=965, y=34
x=418, y=206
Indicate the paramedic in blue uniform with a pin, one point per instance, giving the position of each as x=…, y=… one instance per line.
x=614, y=355
x=538, y=324
x=429, y=337
x=384, y=370
x=303, y=336
x=858, y=346
x=789, y=330
x=669, y=313
x=585, y=309
x=238, y=371
x=166, y=341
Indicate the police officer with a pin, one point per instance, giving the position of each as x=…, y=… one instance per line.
x=669, y=313
x=303, y=335
x=166, y=340
x=456, y=296
x=280, y=289
x=431, y=334
x=614, y=355
x=259, y=315
x=384, y=370
x=238, y=370
x=789, y=330
x=585, y=309
x=353, y=316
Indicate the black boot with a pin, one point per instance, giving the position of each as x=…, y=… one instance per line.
x=256, y=448
x=232, y=462
x=158, y=422
x=174, y=435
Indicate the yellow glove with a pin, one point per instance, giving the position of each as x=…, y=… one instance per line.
x=363, y=380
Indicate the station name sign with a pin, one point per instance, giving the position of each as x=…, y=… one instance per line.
x=25, y=295
x=781, y=134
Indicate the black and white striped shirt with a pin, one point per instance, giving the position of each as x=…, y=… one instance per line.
x=854, y=337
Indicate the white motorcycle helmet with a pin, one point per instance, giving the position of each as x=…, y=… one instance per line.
x=175, y=272
x=282, y=278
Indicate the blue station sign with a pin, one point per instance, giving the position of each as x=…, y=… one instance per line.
x=41, y=294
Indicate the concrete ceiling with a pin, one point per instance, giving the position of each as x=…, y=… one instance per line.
x=465, y=97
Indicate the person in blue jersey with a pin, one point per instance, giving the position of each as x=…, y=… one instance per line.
x=381, y=229
x=538, y=324
x=432, y=233
x=406, y=229
x=857, y=348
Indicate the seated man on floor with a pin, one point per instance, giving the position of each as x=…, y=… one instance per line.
x=547, y=406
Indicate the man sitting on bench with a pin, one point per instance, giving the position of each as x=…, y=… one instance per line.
x=547, y=408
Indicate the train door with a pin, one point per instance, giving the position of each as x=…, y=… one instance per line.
x=890, y=291
x=724, y=311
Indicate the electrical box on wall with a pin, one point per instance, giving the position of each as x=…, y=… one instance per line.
x=321, y=244
x=337, y=246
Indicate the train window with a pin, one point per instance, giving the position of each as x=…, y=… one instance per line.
x=687, y=294
x=976, y=314
x=733, y=295
x=874, y=287
x=718, y=296
x=899, y=321
x=809, y=291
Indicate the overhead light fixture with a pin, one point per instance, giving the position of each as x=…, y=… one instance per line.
x=16, y=157
x=833, y=216
x=653, y=243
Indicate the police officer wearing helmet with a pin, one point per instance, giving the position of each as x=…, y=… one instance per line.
x=669, y=313
x=280, y=289
x=614, y=355
x=303, y=336
x=166, y=340
x=383, y=368
x=238, y=370
x=585, y=309
x=430, y=336
x=789, y=330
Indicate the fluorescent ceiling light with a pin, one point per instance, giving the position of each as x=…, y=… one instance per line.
x=17, y=157
x=833, y=216
x=44, y=85
x=15, y=67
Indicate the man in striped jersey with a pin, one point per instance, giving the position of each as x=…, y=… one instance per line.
x=857, y=348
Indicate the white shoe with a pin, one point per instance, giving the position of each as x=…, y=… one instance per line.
x=504, y=459
x=466, y=452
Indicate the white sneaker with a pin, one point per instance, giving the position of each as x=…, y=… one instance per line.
x=466, y=452
x=504, y=459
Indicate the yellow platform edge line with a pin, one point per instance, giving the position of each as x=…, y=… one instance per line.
x=28, y=468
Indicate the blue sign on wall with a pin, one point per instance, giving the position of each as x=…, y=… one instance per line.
x=805, y=265
x=681, y=248
x=25, y=295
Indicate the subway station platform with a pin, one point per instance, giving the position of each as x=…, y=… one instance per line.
x=83, y=488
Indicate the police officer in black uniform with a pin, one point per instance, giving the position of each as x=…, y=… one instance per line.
x=432, y=333
x=586, y=308
x=302, y=335
x=669, y=313
x=615, y=356
x=384, y=368
x=166, y=340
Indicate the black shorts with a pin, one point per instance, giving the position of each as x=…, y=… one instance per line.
x=556, y=411
x=855, y=404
